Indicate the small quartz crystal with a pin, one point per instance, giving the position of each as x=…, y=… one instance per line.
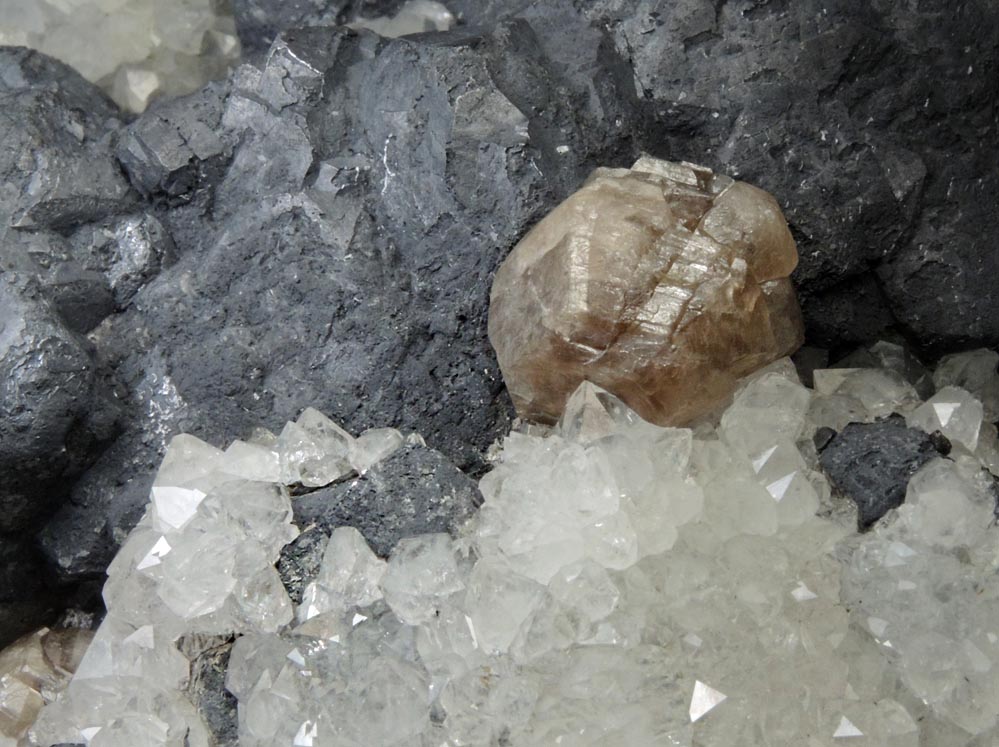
x=663, y=284
x=953, y=412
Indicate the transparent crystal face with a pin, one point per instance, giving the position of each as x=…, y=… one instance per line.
x=622, y=584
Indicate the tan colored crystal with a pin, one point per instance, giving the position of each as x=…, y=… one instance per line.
x=663, y=284
x=33, y=670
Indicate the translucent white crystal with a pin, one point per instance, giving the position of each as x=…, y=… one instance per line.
x=372, y=446
x=947, y=653
x=349, y=576
x=975, y=372
x=953, y=412
x=316, y=450
x=498, y=601
x=704, y=700
x=176, y=506
x=136, y=49
x=879, y=391
x=422, y=572
x=622, y=584
x=251, y=462
x=201, y=560
x=770, y=406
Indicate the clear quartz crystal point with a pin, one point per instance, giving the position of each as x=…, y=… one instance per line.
x=704, y=700
x=587, y=416
x=313, y=451
x=953, y=412
x=372, y=446
x=349, y=577
x=846, y=729
x=422, y=572
x=975, y=372
x=880, y=392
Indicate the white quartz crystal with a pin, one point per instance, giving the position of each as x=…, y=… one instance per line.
x=349, y=576
x=134, y=49
x=623, y=584
x=422, y=573
x=860, y=395
x=925, y=585
x=953, y=412
x=975, y=372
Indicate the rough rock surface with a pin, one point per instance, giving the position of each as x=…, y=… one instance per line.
x=300, y=560
x=413, y=491
x=57, y=165
x=857, y=117
x=663, y=284
x=24, y=598
x=871, y=463
x=874, y=125
x=207, y=692
x=352, y=269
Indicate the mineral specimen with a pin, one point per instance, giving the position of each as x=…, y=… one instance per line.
x=663, y=284
x=135, y=50
x=623, y=583
x=874, y=123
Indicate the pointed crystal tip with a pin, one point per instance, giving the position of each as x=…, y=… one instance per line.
x=704, y=699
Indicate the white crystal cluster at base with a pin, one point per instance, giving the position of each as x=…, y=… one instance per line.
x=134, y=49
x=623, y=584
x=138, y=50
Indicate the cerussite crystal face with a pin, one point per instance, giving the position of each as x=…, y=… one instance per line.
x=662, y=284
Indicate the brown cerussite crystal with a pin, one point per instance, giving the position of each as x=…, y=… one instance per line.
x=663, y=284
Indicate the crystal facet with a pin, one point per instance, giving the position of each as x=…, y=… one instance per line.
x=615, y=569
x=662, y=284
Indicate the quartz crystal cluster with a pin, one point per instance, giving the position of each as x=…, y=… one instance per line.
x=623, y=583
x=134, y=49
x=663, y=283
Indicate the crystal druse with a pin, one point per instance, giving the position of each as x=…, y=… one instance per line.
x=664, y=284
x=135, y=50
x=323, y=227
x=622, y=583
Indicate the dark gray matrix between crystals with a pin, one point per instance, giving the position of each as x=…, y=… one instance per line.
x=413, y=491
x=871, y=464
x=322, y=228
